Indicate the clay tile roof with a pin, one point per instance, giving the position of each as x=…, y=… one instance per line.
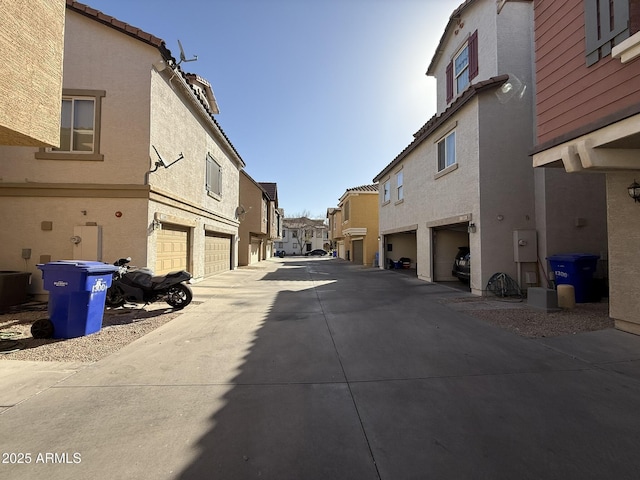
x=364, y=188
x=110, y=21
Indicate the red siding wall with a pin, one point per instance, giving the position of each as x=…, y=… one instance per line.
x=571, y=95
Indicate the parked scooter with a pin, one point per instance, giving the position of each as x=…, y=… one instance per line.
x=139, y=285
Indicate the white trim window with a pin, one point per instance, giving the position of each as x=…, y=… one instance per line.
x=447, y=151
x=214, y=176
x=400, y=185
x=386, y=192
x=77, y=125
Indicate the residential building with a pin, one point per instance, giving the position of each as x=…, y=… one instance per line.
x=334, y=229
x=275, y=216
x=356, y=236
x=259, y=220
x=143, y=168
x=588, y=123
x=31, y=82
x=301, y=235
x=466, y=179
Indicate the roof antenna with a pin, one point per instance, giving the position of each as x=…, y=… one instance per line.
x=183, y=58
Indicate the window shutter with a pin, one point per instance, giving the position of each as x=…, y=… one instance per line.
x=449, y=81
x=473, y=55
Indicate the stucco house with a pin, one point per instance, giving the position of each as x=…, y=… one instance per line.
x=588, y=123
x=466, y=178
x=143, y=168
x=32, y=44
x=301, y=235
x=353, y=225
x=260, y=221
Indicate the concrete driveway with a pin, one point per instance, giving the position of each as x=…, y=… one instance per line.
x=306, y=368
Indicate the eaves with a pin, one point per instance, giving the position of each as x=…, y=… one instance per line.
x=437, y=120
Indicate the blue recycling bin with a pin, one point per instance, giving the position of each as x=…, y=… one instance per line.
x=575, y=269
x=77, y=293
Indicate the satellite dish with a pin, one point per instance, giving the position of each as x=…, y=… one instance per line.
x=240, y=212
x=183, y=57
x=511, y=89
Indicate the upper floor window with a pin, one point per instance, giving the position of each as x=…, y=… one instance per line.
x=463, y=67
x=386, y=192
x=447, y=151
x=79, y=127
x=606, y=24
x=345, y=209
x=214, y=176
x=400, y=185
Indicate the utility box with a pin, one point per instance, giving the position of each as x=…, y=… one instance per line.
x=525, y=246
x=87, y=243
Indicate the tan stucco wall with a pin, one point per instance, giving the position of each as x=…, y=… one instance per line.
x=101, y=58
x=254, y=221
x=363, y=213
x=120, y=235
x=31, y=41
x=624, y=245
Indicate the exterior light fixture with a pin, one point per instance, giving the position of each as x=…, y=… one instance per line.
x=634, y=191
x=471, y=228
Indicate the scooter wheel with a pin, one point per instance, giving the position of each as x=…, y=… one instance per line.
x=179, y=296
x=114, y=298
x=42, y=328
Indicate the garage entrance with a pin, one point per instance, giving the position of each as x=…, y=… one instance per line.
x=217, y=253
x=172, y=249
x=358, y=252
x=446, y=241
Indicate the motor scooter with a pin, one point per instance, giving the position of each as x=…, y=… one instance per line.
x=139, y=285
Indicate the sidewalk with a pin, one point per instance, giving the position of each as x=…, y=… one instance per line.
x=315, y=369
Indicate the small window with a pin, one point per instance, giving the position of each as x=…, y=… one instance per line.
x=447, y=151
x=461, y=69
x=346, y=211
x=386, y=192
x=400, y=185
x=79, y=127
x=214, y=176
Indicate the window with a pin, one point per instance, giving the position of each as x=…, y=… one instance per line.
x=346, y=211
x=214, y=176
x=79, y=127
x=606, y=24
x=386, y=192
x=400, y=186
x=447, y=151
x=463, y=67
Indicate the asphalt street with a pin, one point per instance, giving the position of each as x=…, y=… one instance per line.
x=307, y=368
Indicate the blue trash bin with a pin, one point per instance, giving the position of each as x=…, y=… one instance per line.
x=77, y=293
x=575, y=269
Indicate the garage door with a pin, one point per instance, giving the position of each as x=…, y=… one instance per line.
x=172, y=249
x=255, y=252
x=358, y=252
x=217, y=253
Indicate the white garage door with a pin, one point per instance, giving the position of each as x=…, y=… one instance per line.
x=217, y=253
x=255, y=251
x=172, y=249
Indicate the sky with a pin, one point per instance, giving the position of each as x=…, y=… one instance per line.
x=315, y=95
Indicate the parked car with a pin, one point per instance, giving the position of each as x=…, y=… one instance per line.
x=462, y=265
x=318, y=252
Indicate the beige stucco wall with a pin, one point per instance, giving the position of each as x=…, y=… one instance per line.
x=135, y=95
x=120, y=235
x=624, y=245
x=254, y=222
x=31, y=41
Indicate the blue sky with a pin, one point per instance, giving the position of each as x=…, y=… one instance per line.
x=316, y=95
